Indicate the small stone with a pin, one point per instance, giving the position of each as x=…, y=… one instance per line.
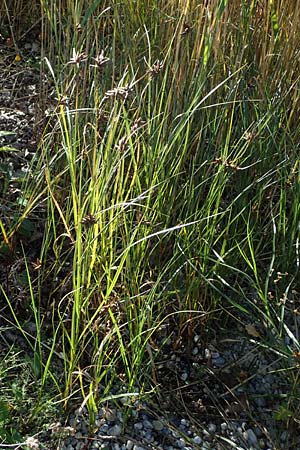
x=185, y=423
x=250, y=436
x=207, y=353
x=148, y=437
x=31, y=109
x=111, y=415
x=138, y=426
x=220, y=361
x=147, y=424
x=212, y=428
x=195, y=351
x=205, y=446
x=196, y=338
x=180, y=443
x=184, y=376
x=103, y=429
x=224, y=426
x=197, y=440
x=129, y=445
x=116, y=430
x=157, y=425
x=215, y=355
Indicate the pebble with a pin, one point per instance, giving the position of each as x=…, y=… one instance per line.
x=261, y=443
x=224, y=426
x=207, y=353
x=205, y=446
x=180, y=443
x=129, y=445
x=212, y=428
x=184, y=376
x=147, y=424
x=185, y=422
x=250, y=436
x=197, y=440
x=220, y=361
x=138, y=426
x=148, y=437
x=157, y=425
x=116, y=430
x=104, y=428
x=111, y=415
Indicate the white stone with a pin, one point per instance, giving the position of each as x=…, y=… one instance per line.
x=129, y=445
x=197, y=440
x=224, y=426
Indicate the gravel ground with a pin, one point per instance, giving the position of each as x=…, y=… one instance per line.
x=231, y=405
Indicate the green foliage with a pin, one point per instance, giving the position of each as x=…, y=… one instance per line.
x=22, y=410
